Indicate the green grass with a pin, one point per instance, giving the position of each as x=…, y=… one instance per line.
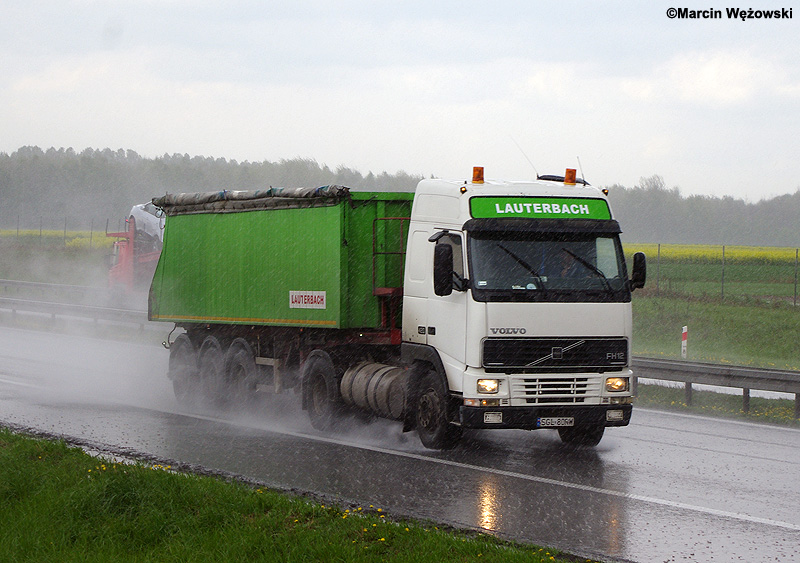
x=80, y=258
x=741, y=333
x=774, y=411
x=698, y=280
x=68, y=266
x=59, y=504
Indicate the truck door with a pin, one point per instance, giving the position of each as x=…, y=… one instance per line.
x=447, y=314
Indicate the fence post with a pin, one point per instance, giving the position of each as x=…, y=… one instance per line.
x=658, y=267
x=687, y=392
x=796, y=251
x=65, y=231
x=746, y=400
x=722, y=295
x=91, y=233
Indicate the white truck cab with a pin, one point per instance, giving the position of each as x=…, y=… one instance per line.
x=517, y=309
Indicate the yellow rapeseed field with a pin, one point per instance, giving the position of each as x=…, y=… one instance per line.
x=712, y=254
x=72, y=239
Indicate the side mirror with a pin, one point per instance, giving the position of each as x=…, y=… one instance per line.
x=639, y=274
x=443, y=269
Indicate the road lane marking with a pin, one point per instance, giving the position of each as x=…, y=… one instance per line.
x=565, y=484
x=15, y=382
x=543, y=480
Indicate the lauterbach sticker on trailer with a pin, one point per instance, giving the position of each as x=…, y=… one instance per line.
x=307, y=300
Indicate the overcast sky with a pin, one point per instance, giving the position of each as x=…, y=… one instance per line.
x=432, y=88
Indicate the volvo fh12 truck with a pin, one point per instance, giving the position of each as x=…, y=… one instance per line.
x=467, y=304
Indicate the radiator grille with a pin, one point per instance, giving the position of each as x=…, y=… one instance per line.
x=539, y=355
x=554, y=390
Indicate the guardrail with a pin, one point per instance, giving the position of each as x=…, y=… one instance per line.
x=72, y=310
x=688, y=373
x=52, y=287
x=739, y=377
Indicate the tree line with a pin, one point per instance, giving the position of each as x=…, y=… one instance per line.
x=56, y=185
x=651, y=212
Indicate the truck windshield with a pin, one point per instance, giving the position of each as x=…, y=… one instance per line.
x=550, y=266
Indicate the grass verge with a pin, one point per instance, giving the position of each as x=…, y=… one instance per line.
x=59, y=504
x=772, y=411
x=719, y=332
x=70, y=266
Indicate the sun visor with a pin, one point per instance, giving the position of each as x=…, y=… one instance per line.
x=609, y=226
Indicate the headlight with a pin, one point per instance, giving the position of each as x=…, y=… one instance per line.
x=616, y=384
x=488, y=385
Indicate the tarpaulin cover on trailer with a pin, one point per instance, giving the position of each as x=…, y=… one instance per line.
x=226, y=201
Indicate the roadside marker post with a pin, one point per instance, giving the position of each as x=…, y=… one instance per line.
x=684, y=341
x=684, y=353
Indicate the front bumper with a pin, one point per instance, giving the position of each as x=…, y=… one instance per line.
x=526, y=418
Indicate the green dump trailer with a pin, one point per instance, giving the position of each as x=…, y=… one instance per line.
x=331, y=260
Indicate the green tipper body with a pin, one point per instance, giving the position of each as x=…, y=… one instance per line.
x=305, y=265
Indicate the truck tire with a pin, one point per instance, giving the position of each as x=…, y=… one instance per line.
x=321, y=395
x=212, y=372
x=581, y=435
x=241, y=374
x=183, y=371
x=432, y=418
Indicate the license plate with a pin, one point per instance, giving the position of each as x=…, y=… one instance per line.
x=492, y=417
x=555, y=421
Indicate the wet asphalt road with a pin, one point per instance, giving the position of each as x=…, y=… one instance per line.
x=669, y=487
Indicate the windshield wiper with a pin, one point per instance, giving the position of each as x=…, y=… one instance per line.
x=525, y=265
x=592, y=268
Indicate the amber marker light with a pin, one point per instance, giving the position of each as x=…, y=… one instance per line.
x=477, y=174
x=569, y=177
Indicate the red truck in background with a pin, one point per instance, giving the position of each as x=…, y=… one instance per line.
x=137, y=249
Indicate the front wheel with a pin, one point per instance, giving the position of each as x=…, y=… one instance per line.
x=432, y=420
x=581, y=435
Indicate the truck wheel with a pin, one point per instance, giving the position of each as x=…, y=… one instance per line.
x=321, y=395
x=581, y=435
x=432, y=421
x=183, y=370
x=241, y=373
x=212, y=365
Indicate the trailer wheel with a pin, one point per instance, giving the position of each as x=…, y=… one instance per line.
x=581, y=435
x=183, y=370
x=432, y=420
x=321, y=395
x=241, y=373
x=212, y=366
